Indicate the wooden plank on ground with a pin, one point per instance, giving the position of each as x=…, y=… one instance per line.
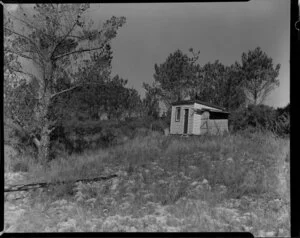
x=25, y=187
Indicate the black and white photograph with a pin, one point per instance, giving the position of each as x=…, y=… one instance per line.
x=147, y=117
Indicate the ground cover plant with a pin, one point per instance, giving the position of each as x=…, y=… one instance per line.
x=165, y=183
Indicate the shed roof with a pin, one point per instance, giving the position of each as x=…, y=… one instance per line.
x=200, y=111
x=187, y=102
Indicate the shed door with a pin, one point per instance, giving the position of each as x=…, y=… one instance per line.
x=186, y=120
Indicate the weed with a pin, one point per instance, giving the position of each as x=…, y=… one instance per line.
x=203, y=181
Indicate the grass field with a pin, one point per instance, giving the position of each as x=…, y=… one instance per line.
x=165, y=183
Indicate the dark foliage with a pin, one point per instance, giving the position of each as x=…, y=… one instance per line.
x=283, y=120
x=261, y=118
x=77, y=136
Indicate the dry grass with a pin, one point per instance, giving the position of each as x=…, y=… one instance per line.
x=229, y=183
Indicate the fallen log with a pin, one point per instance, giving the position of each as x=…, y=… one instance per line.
x=25, y=187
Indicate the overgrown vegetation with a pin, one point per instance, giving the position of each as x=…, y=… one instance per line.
x=77, y=120
x=225, y=177
x=261, y=118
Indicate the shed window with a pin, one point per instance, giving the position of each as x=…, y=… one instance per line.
x=218, y=116
x=177, y=115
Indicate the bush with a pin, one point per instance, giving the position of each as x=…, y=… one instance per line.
x=256, y=118
x=77, y=136
x=166, y=117
x=159, y=125
x=136, y=123
x=108, y=136
x=16, y=162
x=283, y=121
x=20, y=166
x=20, y=141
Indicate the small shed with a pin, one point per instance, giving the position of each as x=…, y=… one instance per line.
x=194, y=117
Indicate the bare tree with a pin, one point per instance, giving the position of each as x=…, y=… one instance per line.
x=54, y=40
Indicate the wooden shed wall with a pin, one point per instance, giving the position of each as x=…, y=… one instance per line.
x=217, y=126
x=197, y=118
x=177, y=127
x=195, y=122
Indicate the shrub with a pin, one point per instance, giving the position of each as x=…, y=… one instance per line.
x=283, y=121
x=21, y=141
x=159, y=125
x=77, y=136
x=62, y=190
x=20, y=166
x=166, y=117
x=259, y=118
x=108, y=136
x=20, y=163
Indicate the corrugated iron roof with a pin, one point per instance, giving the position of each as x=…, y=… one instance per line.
x=184, y=102
x=209, y=110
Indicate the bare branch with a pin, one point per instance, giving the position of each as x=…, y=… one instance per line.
x=80, y=51
x=22, y=72
x=50, y=130
x=28, y=39
x=78, y=37
x=19, y=53
x=23, y=56
x=21, y=20
x=64, y=91
x=68, y=33
x=29, y=74
x=28, y=24
x=73, y=87
x=36, y=142
x=16, y=122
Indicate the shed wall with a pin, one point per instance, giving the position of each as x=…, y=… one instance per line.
x=217, y=126
x=177, y=127
x=197, y=118
x=196, y=124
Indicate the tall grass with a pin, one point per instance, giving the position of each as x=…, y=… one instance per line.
x=193, y=177
x=243, y=163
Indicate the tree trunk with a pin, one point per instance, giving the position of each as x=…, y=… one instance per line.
x=44, y=104
x=44, y=145
x=255, y=97
x=44, y=148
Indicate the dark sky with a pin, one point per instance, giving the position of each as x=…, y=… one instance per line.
x=221, y=31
